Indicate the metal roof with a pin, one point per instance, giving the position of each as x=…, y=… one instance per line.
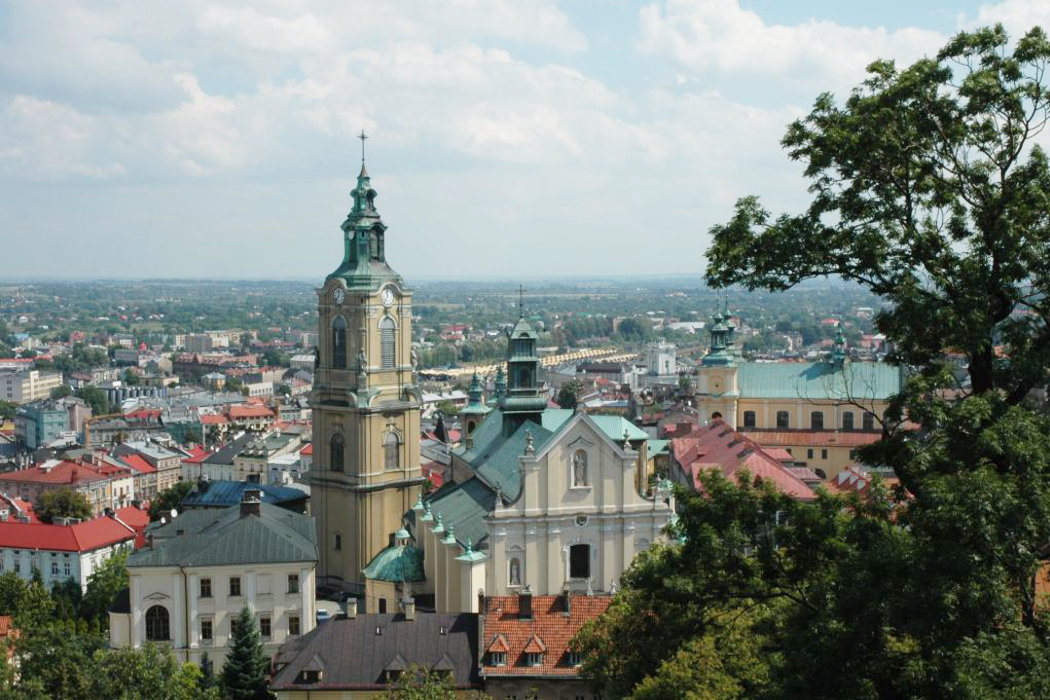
x=819, y=380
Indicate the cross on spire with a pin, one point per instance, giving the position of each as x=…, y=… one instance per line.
x=362, y=137
x=521, y=301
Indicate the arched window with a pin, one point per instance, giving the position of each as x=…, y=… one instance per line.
x=847, y=420
x=816, y=420
x=157, y=627
x=580, y=561
x=339, y=342
x=717, y=415
x=869, y=420
x=749, y=419
x=391, y=451
x=579, y=468
x=782, y=419
x=387, y=343
x=336, y=449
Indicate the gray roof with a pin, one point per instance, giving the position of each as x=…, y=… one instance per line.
x=230, y=450
x=216, y=537
x=223, y=494
x=351, y=655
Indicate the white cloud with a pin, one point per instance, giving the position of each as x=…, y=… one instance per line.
x=816, y=55
x=1017, y=16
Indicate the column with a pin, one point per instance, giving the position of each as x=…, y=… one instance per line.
x=555, y=577
x=307, y=618
x=178, y=617
x=194, y=587
x=136, y=633
x=248, y=581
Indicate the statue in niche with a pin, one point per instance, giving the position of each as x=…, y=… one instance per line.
x=515, y=572
x=579, y=468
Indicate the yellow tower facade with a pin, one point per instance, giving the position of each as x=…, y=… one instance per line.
x=365, y=402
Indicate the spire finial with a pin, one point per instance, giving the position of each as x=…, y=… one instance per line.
x=362, y=136
x=521, y=301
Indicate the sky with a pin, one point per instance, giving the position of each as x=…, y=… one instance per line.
x=508, y=139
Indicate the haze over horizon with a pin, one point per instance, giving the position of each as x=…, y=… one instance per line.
x=201, y=140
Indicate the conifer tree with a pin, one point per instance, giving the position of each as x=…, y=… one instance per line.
x=244, y=673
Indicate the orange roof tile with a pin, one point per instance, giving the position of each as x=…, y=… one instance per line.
x=550, y=631
x=812, y=438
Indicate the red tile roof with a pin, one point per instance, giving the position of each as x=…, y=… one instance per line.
x=855, y=480
x=812, y=438
x=548, y=632
x=308, y=450
x=215, y=419
x=82, y=537
x=197, y=455
x=717, y=446
x=61, y=473
x=239, y=412
x=138, y=464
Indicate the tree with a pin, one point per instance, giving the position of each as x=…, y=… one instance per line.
x=420, y=684
x=244, y=673
x=96, y=399
x=170, y=498
x=7, y=410
x=569, y=394
x=62, y=391
x=147, y=672
x=62, y=503
x=104, y=585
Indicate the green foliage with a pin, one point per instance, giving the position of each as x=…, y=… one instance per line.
x=104, y=585
x=244, y=673
x=7, y=410
x=169, y=498
x=633, y=330
x=569, y=394
x=417, y=683
x=447, y=408
x=146, y=673
x=62, y=503
x=62, y=391
x=96, y=399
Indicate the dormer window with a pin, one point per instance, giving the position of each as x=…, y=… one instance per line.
x=497, y=658
x=309, y=676
x=533, y=659
x=574, y=658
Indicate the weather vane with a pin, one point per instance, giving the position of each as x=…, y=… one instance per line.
x=362, y=137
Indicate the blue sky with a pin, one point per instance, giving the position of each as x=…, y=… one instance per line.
x=509, y=139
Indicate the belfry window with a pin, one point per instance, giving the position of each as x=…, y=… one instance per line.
x=387, y=344
x=391, y=451
x=336, y=447
x=580, y=561
x=339, y=342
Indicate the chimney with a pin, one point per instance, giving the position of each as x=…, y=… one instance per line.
x=251, y=503
x=566, y=602
x=351, y=607
x=149, y=540
x=410, y=608
x=525, y=604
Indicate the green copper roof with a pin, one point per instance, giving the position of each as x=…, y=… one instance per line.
x=464, y=507
x=364, y=265
x=612, y=426
x=819, y=380
x=523, y=330
x=476, y=403
x=397, y=564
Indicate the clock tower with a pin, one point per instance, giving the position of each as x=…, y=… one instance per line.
x=365, y=402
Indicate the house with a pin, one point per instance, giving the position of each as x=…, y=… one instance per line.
x=360, y=655
x=105, y=485
x=198, y=571
x=68, y=549
x=525, y=644
x=716, y=446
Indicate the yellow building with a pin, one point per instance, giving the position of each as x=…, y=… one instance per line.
x=365, y=402
x=820, y=412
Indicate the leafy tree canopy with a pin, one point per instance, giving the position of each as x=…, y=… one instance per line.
x=170, y=498
x=62, y=503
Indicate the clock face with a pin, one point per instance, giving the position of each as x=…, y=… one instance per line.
x=388, y=297
x=338, y=295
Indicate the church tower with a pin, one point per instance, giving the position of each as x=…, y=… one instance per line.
x=717, y=391
x=365, y=402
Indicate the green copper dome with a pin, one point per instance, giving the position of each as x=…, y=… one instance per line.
x=398, y=563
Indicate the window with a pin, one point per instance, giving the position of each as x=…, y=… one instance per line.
x=809, y=453
x=382, y=606
x=66, y=570
x=391, y=449
x=782, y=419
x=386, y=343
x=293, y=583
x=869, y=420
x=157, y=629
x=816, y=420
x=847, y=420
x=205, y=588
x=497, y=658
x=336, y=450
x=580, y=561
x=293, y=625
x=574, y=658
x=54, y=567
x=338, y=543
x=235, y=585
x=579, y=468
x=235, y=625
x=206, y=634
x=339, y=342
x=823, y=454
x=749, y=419
x=533, y=659
x=264, y=627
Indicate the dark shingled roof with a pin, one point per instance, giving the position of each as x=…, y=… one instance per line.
x=215, y=537
x=351, y=655
x=223, y=494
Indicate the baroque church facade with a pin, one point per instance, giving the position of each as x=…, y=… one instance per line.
x=536, y=499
